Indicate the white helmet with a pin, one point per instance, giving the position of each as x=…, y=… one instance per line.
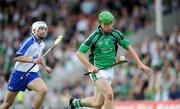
x=38, y=24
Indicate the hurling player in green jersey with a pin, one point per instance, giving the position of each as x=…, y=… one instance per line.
x=102, y=44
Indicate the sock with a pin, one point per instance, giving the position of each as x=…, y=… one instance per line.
x=76, y=103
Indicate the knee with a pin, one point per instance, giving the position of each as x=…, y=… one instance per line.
x=109, y=96
x=43, y=91
x=7, y=103
x=99, y=105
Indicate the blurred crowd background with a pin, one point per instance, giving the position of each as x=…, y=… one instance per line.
x=75, y=20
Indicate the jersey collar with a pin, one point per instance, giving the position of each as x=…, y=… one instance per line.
x=99, y=29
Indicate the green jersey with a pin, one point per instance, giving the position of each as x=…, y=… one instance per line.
x=103, y=47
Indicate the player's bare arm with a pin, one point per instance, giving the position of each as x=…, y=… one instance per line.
x=133, y=53
x=24, y=59
x=86, y=62
x=35, y=61
x=45, y=67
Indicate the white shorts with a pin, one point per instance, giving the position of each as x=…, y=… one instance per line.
x=108, y=74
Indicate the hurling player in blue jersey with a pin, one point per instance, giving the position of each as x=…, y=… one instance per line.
x=29, y=54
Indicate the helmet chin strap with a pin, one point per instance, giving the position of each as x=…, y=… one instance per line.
x=41, y=38
x=104, y=31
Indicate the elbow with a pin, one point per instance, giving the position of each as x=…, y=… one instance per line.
x=15, y=59
x=77, y=54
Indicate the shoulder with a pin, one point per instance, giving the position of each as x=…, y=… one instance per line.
x=96, y=32
x=117, y=32
x=92, y=37
x=93, y=34
x=24, y=46
x=28, y=41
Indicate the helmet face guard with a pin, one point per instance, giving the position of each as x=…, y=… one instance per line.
x=105, y=17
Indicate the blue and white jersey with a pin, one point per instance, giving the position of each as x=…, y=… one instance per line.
x=32, y=48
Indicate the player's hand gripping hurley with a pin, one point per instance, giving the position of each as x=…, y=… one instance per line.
x=122, y=60
x=56, y=42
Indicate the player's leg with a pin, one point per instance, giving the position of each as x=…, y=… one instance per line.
x=40, y=87
x=12, y=89
x=106, y=91
x=8, y=100
x=97, y=101
x=90, y=101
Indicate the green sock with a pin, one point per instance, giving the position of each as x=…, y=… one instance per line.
x=76, y=103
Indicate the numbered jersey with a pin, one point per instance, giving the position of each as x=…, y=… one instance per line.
x=103, y=47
